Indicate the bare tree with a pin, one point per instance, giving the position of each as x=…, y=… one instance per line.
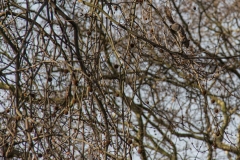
x=119, y=79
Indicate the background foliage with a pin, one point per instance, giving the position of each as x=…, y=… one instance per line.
x=111, y=80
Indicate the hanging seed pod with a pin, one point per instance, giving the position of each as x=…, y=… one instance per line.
x=49, y=79
x=116, y=66
x=216, y=110
x=129, y=141
x=75, y=82
x=65, y=111
x=213, y=101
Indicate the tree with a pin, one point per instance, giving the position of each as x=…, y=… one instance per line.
x=120, y=79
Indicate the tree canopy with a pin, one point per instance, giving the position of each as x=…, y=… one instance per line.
x=120, y=79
